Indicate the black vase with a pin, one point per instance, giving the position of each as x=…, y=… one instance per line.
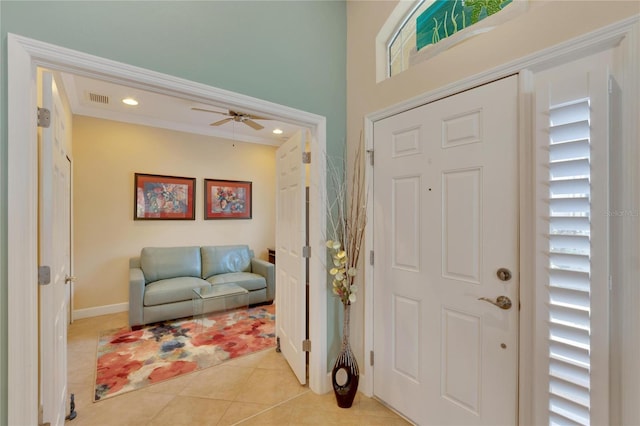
x=346, y=390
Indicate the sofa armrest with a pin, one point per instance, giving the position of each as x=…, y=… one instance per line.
x=268, y=271
x=136, y=296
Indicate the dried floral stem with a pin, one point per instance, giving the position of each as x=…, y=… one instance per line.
x=347, y=216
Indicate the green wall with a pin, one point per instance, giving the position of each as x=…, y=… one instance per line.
x=288, y=52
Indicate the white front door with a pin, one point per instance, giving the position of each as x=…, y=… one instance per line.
x=446, y=220
x=290, y=262
x=54, y=251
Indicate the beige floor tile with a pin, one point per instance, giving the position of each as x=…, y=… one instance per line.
x=85, y=343
x=371, y=407
x=83, y=395
x=219, y=382
x=279, y=415
x=239, y=411
x=268, y=359
x=189, y=411
x=133, y=408
x=270, y=387
x=317, y=416
x=382, y=421
x=171, y=386
x=81, y=367
x=311, y=400
x=258, y=389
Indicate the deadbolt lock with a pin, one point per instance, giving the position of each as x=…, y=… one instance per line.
x=503, y=274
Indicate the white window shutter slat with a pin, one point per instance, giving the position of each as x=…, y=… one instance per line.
x=569, y=302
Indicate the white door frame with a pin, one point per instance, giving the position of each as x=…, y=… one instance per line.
x=584, y=45
x=24, y=56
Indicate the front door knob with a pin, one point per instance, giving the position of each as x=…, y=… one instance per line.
x=502, y=302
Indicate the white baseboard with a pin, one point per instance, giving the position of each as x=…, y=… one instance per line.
x=100, y=310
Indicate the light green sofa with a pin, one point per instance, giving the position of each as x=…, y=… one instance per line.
x=162, y=279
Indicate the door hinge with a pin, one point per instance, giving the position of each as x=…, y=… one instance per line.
x=306, y=158
x=610, y=85
x=306, y=251
x=371, y=257
x=370, y=152
x=371, y=358
x=44, y=275
x=610, y=283
x=306, y=345
x=44, y=117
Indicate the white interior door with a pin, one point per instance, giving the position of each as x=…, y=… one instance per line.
x=446, y=210
x=54, y=249
x=290, y=262
x=71, y=279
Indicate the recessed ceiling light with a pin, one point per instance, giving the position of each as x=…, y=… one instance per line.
x=277, y=131
x=130, y=101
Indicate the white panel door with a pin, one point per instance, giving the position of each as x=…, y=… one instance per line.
x=290, y=263
x=54, y=250
x=446, y=210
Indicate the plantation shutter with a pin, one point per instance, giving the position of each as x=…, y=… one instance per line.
x=569, y=263
x=571, y=357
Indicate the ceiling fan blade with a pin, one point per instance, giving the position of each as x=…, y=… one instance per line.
x=243, y=115
x=253, y=124
x=235, y=116
x=209, y=110
x=218, y=123
x=256, y=117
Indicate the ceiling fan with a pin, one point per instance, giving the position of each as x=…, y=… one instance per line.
x=235, y=116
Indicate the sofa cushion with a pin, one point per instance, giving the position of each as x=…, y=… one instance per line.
x=171, y=290
x=160, y=263
x=224, y=259
x=247, y=280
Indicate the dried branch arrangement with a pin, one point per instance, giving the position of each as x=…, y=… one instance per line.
x=347, y=219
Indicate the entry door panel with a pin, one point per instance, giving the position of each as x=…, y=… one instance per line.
x=446, y=209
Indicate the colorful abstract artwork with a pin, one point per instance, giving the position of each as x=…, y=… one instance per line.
x=227, y=199
x=446, y=17
x=164, y=197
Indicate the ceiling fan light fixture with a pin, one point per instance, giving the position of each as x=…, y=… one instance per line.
x=277, y=131
x=130, y=101
x=234, y=116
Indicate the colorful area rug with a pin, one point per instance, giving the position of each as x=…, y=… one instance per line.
x=129, y=360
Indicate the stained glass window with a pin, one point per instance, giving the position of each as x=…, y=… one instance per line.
x=430, y=22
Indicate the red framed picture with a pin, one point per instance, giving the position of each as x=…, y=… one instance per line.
x=160, y=197
x=227, y=199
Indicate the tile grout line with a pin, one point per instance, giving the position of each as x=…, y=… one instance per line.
x=272, y=407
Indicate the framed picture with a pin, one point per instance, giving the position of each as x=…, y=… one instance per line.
x=227, y=199
x=164, y=197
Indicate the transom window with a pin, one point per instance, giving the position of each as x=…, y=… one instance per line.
x=435, y=25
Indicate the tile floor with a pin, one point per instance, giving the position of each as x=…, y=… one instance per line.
x=258, y=389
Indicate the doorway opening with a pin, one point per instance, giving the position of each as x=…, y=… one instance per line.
x=25, y=56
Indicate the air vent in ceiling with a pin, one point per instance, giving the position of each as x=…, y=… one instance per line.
x=101, y=99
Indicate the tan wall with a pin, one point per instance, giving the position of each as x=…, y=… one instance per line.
x=106, y=156
x=544, y=24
